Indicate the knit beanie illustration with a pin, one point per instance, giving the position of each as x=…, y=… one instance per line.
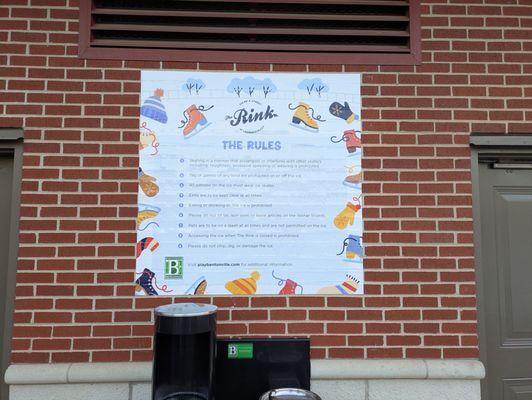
x=153, y=107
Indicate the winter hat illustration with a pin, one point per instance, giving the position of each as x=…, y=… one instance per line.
x=153, y=108
x=148, y=138
x=347, y=215
x=352, y=141
x=302, y=116
x=289, y=285
x=244, y=285
x=147, y=184
x=352, y=247
x=198, y=287
x=353, y=180
x=145, y=212
x=348, y=286
x=147, y=282
x=148, y=243
x=194, y=121
x=343, y=111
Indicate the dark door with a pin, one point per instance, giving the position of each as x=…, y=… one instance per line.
x=6, y=194
x=506, y=284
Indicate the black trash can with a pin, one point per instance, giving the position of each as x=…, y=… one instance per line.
x=184, y=352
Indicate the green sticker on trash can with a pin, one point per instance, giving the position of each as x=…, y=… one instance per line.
x=240, y=350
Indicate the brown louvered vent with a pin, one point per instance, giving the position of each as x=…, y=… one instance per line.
x=294, y=31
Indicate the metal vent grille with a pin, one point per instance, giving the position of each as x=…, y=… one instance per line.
x=255, y=28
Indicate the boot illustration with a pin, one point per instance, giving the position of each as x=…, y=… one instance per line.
x=304, y=117
x=352, y=248
x=146, y=282
x=348, y=286
x=289, y=285
x=346, y=216
x=343, y=112
x=353, y=181
x=244, y=285
x=352, y=141
x=148, y=243
x=194, y=121
x=147, y=184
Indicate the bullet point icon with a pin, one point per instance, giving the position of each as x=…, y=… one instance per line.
x=181, y=175
x=180, y=235
x=180, y=245
x=180, y=204
x=181, y=194
x=180, y=214
x=180, y=225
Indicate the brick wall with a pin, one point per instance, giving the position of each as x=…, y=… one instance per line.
x=75, y=298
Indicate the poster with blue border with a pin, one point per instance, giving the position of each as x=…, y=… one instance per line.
x=249, y=183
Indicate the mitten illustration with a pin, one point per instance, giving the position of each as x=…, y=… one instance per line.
x=147, y=184
x=343, y=112
x=346, y=216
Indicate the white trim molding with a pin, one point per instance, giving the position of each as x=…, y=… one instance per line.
x=332, y=379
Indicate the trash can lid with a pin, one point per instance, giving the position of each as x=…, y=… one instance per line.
x=289, y=394
x=185, y=310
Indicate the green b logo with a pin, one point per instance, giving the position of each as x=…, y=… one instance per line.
x=173, y=268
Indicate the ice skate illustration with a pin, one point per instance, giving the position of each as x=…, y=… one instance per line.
x=343, y=111
x=194, y=120
x=147, y=184
x=147, y=282
x=352, y=248
x=145, y=212
x=289, y=285
x=148, y=243
x=304, y=117
x=353, y=180
x=348, y=286
x=198, y=287
x=352, y=141
x=148, y=138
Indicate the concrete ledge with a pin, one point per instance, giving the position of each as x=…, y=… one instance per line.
x=331, y=379
x=335, y=369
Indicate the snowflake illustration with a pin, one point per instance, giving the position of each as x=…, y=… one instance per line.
x=336, y=109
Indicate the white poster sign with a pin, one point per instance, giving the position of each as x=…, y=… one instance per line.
x=249, y=183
